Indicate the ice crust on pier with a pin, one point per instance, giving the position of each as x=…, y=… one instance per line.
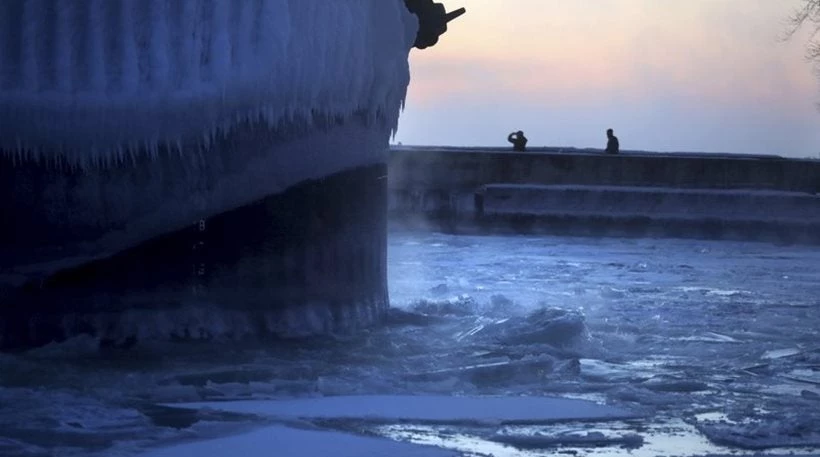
x=97, y=82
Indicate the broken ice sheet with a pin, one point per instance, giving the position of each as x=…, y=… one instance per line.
x=768, y=431
x=591, y=439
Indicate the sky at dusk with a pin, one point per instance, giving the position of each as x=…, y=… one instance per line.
x=694, y=75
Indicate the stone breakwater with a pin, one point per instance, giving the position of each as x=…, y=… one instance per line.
x=710, y=196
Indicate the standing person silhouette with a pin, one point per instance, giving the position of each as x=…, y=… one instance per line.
x=612, y=144
x=518, y=140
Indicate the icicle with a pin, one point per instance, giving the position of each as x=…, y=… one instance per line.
x=242, y=56
x=8, y=77
x=63, y=47
x=95, y=54
x=148, y=147
x=220, y=41
x=160, y=43
x=129, y=66
x=32, y=21
x=133, y=150
x=273, y=29
x=127, y=157
x=192, y=44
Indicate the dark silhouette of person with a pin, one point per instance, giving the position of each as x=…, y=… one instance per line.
x=518, y=140
x=612, y=144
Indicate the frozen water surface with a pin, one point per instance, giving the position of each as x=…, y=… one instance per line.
x=425, y=409
x=711, y=347
x=279, y=440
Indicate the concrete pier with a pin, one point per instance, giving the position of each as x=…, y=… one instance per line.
x=587, y=192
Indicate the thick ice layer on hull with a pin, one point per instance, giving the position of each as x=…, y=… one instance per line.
x=95, y=82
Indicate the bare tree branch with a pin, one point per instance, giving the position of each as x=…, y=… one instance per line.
x=807, y=16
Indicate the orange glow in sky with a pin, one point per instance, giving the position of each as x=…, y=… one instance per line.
x=699, y=75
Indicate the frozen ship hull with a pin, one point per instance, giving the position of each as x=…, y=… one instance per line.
x=195, y=169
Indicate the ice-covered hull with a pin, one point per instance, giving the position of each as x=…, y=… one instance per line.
x=261, y=126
